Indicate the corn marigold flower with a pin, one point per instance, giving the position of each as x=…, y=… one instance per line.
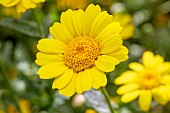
x=9, y=12
x=145, y=81
x=12, y=109
x=84, y=46
x=90, y=111
x=77, y=4
x=125, y=21
x=21, y=5
x=1, y=111
x=25, y=106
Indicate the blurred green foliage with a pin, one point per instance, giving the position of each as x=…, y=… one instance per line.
x=18, y=39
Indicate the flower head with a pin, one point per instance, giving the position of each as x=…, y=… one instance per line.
x=9, y=12
x=80, y=4
x=125, y=21
x=84, y=46
x=148, y=80
x=25, y=106
x=21, y=5
x=90, y=111
x=11, y=109
x=1, y=111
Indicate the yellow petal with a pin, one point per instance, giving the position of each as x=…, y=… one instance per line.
x=165, y=89
x=124, y=19
x=111, y=29
x=70, y=89
x=28, y=4
x=136, y=66
x=164, y=67
x=83, y=81
x=100, y=22
x=12, y=3
x=98, y=78
x=148, y=59
x=121, y=54
x=130, y=96
x=127, y=31
x=159, y=96
x=5, y=2
x=126, y=77
x=61, y=81
x=43, y=58
x=106, y=63
x=20, y=8
x=51, y=46
x=67, y=20
x=165, y=79
x=158, y=60
x=60, y=32
x=110, y=44
x=78, y=19
x=127, y=88
x=145, y=100
x=90, y=14
x=52, y=70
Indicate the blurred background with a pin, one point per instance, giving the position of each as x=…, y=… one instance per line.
x=21, y=89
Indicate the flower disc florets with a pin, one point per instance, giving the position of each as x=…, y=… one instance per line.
x=81, y=53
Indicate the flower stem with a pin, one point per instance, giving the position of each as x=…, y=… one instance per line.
x=39, y=22
x=106, y=95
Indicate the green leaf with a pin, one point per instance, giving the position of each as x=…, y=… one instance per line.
x=23, y=26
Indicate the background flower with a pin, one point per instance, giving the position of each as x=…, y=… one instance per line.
x=25, y=106
x=69, y=4
x=125, y=21
x=8, y=12
x=90, y=111
x=21, y=5
x=147, y=80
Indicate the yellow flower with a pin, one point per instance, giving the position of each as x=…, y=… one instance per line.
x=11, y=109
x=90, y=111
x=125, y=21
x=9, y=12
x=21, y=5
x=84, y=46
x=77, y=4
x=25, y=106
x=148, y=80
x=1, y=111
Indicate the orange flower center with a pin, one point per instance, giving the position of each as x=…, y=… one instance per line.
x=81, y=53
x=149, y=79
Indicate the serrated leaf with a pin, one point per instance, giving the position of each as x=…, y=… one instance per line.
x=23, y=26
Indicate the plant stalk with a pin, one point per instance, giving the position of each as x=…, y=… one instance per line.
x=107, y=98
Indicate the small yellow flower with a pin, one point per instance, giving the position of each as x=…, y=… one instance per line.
x=21, y=5
x=11, y=109
x=161, y=19
x=25, y=106
x=84, y=46
x=1, y=111
x=77, y=4
x=148, y=80
x=9, y=12
x=125, y=21
x=90, y=111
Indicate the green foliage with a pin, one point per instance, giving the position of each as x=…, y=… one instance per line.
x=18, y=38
